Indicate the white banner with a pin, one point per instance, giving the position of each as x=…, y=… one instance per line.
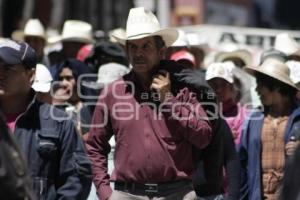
x=214, y=35
x=215, y=38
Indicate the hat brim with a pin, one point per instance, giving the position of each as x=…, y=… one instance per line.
x=19, y=35
x=33, y=35
x=169, y=36
x=285, y=80
x=229, y=80
x=242, y=54
x=41, y=87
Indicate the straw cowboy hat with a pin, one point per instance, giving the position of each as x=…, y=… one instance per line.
x=230, y=50
x=286, y=44
x=275, y=69
x=142, y=23
x=74, y=31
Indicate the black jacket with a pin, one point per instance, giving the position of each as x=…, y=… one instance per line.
x=193, y=79
x=221, y=151
x=54, y=152
x=220, y=154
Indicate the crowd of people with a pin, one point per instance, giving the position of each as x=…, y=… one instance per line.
x=139, y=116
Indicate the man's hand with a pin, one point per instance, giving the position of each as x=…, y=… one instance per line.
x=291, y=146
x=162, y=85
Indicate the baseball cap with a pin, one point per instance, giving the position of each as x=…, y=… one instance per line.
x=110, y=72
x=14, y=53
x=43, y=79
x=220, y=70
x=183, y=55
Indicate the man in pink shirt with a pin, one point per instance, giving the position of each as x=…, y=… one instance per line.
x=155, y=129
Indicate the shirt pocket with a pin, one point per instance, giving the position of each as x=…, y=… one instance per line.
x=47, y=143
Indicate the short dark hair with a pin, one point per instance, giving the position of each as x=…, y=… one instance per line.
x=273, y=84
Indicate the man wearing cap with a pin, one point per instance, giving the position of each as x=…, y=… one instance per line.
x=155, y=130
x=50, y=144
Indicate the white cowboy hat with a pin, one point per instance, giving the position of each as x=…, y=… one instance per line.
x=286, y=44
x=118, y=32
x=34, y=28
x=42, y=80
x=235, y=52
x=275, y=69
x=74, y=31
x=232, y=50
x=142, y=23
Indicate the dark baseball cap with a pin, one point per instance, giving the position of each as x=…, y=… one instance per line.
x=14, y=53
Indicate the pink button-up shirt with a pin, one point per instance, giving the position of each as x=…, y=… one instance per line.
x=153, y=141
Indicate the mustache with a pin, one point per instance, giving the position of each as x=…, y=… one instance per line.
x=139, y=60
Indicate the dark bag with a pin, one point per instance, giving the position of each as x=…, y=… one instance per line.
x=14, y=181
x=194, y=80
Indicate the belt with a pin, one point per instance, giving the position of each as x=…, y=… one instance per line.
x=152, y=189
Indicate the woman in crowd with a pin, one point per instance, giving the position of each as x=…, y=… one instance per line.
x=223, y=82
x=70, y=92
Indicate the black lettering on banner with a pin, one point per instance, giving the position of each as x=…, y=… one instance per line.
x=228, y=37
